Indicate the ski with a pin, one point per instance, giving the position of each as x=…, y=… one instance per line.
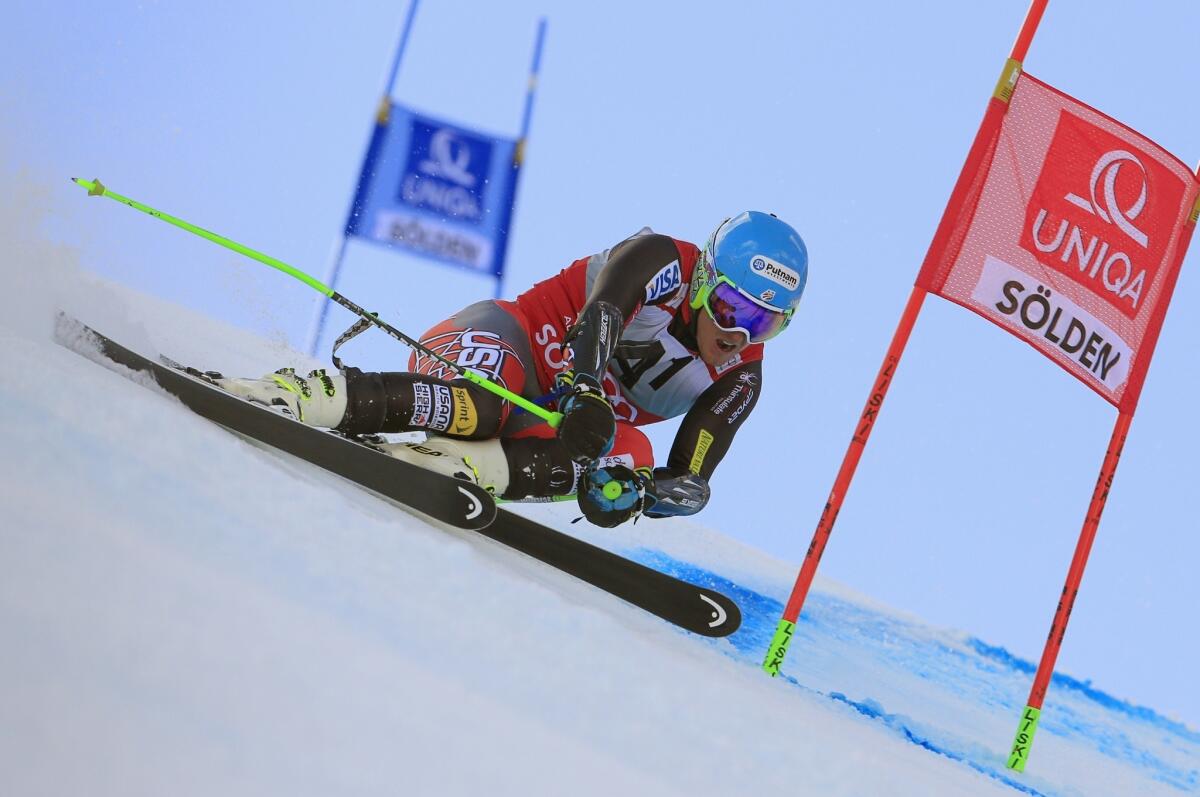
x=691, y=607
x=450, y=501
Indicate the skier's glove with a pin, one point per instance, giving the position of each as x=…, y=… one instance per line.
x=588, y=428
x=610, y=495
x=675, y=495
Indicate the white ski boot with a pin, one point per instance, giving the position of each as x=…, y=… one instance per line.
x=480, y=461
x=317, y=400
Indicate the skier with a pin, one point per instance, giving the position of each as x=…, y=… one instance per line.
x=650, y=329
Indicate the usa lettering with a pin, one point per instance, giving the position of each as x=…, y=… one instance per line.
x=482, y=352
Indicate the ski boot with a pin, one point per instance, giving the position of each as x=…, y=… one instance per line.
x=317, y=400
x=480, y=461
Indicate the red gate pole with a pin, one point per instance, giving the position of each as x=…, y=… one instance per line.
x=1033, y=709
x=862, y=432
x=996, y=109
x=1019, y=754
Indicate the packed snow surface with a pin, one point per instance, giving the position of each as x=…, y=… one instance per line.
x=184, y=612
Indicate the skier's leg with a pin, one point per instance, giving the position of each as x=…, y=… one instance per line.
x=484, y=337
x=609, y=492
x=317, y=400
x=490, y=338
x=369, y=402
x=532, y=464
x=539, y=467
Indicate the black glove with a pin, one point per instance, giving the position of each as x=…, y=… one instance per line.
x=673, y=496
x=610, y=495
x=588, y=427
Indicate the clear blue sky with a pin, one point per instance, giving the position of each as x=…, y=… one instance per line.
x=848, y=119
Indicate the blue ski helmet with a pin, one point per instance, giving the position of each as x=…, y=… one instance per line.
x=753, y=262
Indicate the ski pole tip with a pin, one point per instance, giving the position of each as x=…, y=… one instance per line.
x=94, y=187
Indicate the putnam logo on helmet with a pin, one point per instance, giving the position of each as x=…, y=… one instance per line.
x=776, y=272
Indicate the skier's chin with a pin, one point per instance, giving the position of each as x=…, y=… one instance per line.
x=716, y=356
x=717, y=347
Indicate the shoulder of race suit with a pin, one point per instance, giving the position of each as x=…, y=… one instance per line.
x=646, y=269
x=649, y=276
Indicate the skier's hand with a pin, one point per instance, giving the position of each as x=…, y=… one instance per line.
x=675, y=493
x=613, y=494
x=588, y=427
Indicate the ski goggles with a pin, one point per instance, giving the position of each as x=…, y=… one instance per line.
x=733, y=310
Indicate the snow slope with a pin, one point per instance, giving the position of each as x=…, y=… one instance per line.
x=182, y=612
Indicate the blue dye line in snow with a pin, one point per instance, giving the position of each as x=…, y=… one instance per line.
x=873, y=710
x=760, y=614
x=1002, y=656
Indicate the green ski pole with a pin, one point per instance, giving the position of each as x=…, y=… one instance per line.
x=96, y=188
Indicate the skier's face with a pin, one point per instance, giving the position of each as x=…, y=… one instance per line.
x=717, y=346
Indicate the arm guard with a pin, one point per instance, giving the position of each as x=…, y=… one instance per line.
x=594, y=338
x=620, y=288
x=627, y=278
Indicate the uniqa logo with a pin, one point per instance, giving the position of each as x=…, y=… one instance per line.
x=449, y=158
x=1093, y=256
x=1107, y=168
x=446, y=171
x=1103, y=211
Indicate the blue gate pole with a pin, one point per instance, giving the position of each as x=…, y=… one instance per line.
x=519, y=151
x=364, y=180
